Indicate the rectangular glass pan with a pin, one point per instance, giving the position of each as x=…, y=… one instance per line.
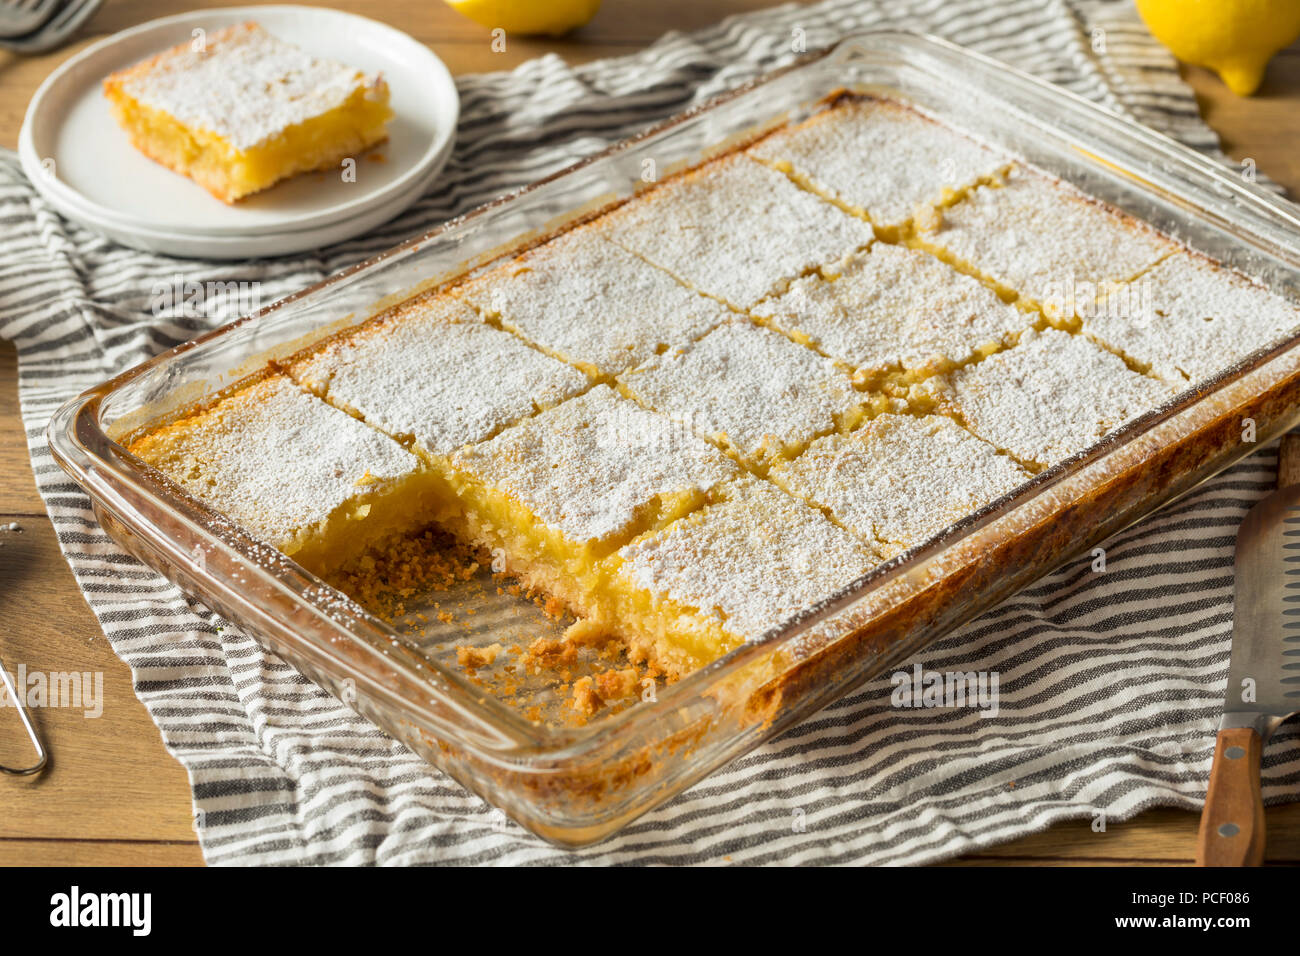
x=576, y=784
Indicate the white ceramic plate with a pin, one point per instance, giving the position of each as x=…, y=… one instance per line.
x=260, y=245
x=82, y=162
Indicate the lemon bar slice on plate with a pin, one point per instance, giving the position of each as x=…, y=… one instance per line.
x=1051, y=396
x=899, y=479
x=244, y=109
x=292, y=470
x=592, y=303
x=895, y=310
x=880, y=160
x=735, y=229
x=1188, y=318
x=750, y=390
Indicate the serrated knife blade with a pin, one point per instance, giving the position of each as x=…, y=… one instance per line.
x=1263, y=671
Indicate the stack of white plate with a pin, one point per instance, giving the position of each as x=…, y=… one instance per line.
x=82, y=162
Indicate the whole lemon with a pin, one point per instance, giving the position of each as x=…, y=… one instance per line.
x=1235, y=38
x=553, y=17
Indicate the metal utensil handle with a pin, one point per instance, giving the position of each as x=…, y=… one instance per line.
x=42, y=755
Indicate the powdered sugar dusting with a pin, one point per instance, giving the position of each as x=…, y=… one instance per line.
x=880, y=158
x=1051, y=396
x=246, y=86
x=1188, y=318
x=592, y=302
x=1038, y=236
x=894, y=306
x=436, y=373
x=275, y=458
x=748, y=388
x=592, y=466
x=735, y=229
x=752, y=561
x=899, y=480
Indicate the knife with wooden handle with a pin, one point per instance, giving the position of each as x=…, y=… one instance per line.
x=1264, y=671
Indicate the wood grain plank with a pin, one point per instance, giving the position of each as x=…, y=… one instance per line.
x=618, y=21
x=109, y=776
x=1264, y=127
x=17, y=486
x=1165, y=834
x=38, y=852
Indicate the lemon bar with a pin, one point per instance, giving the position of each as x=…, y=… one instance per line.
x=435, y=376
x=556, y=493
x=735, y=229
x=247, y=110
x=750, y=390
x=899, y=480
x=592, y=303
x=895, y=309
x=1051, y=396
x=688, y=593
x=1188, y=318
x=1045, y=241
x=880, y=159
x=292, y=470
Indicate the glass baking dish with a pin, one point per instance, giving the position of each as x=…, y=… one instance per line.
x=572, y=784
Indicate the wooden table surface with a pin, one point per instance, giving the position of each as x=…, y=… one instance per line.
x=112, y=794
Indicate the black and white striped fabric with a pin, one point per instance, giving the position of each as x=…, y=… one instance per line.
x=1109, y=682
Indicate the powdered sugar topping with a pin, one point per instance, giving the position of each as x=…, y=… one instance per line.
x=593, y=303
x=895, y=306
x=899, y=480
x=736, y=229
x=1188, y=318
x=244, y=85
x=436, y=373
x=1051, y=396
x=591, y=467
x=752, y=561
x=749, y=388
x=1041, y=238
x=880, y=158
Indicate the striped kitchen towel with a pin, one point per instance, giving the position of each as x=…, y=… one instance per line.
x=1109, y=683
